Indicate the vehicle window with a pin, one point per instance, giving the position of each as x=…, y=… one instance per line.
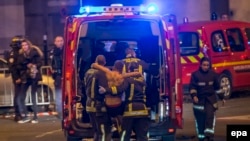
x=247, y=30
x=111, y=38
x=218, y=42
x=189, y=43
x=235, y=39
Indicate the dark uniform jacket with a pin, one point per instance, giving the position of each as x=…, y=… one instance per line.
x=91, y=89
x=135, y=97
x=204, y=85
x=141, y=67
x=34, y=57
x=12, y=64
x=56, y=61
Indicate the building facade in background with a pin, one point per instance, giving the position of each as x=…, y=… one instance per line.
x=36, y=18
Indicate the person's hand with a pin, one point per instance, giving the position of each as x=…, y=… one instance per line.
x=102, y=90
x=195, y=99
x=18, y=81
x=223, y=102
x=29, y=65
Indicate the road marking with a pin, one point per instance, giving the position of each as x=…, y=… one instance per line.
x=242, y=117
x=48, y=133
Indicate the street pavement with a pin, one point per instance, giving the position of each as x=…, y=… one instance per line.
x=235, y=111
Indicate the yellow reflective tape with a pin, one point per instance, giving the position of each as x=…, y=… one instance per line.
x=132, y=88
x=74, y=27
x=114, y=90
x=200, y=55
x=183, y=61
x=92, y=95
x=140, y=69
x=72, y=45
x=193, y=59
x=129, y=107
x=231, y=63
x=168, y=44
x=124, y=69
x=200, y=43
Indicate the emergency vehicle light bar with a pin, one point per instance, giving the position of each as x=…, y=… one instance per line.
x=111, y=9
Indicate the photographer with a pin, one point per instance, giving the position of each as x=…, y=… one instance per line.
x=15, y=73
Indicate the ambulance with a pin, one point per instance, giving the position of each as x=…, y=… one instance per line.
x=226, y=43
x=104, y=30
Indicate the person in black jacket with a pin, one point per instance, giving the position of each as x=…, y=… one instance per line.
x=15, y=73
x=91, y=86
x=204, y=87
x=29, y=63
x=56, y=56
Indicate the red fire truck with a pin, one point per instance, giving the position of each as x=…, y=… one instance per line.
x=226, y=43
x=102, y=30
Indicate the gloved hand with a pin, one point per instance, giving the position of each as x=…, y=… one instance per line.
x=102, y=90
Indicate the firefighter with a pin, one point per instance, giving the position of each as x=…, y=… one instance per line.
x=56, y=63
x=15, y=73
x=112, y=89
x=204, y=87
x=135, y=115
x=92, y=92
x=131, y=58
x=29, y=63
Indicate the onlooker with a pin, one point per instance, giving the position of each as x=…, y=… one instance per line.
x=56, y=56
x=204, y=85
x=15, y=73
x=29, y=63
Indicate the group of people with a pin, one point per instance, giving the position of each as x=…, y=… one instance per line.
x=117, y=94
x=25, y=61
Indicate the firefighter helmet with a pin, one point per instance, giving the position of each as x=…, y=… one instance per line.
x=16, y=41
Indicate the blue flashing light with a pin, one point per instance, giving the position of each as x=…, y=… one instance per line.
x=85, y=9
x=152, y=8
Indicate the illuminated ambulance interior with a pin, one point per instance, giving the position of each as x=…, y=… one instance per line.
x=110, y=37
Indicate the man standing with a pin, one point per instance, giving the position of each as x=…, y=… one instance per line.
x=56, y=63
x=204, y=85
x=15, y=73
x=91, y=86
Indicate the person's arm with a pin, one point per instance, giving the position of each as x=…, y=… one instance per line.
x=114, y=90
x=220, y=92
x=193, y=88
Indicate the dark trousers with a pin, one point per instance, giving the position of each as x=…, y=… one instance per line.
x=21, y=98
x=17, y=88
x=139, y=125
x=104, y=123
x=205, y=120
x=92, y=117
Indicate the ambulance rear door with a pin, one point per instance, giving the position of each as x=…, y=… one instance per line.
x=173, y=69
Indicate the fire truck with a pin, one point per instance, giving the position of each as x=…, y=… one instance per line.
x=103, y=30
x=226, y=43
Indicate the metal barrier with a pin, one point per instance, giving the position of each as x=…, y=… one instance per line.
x=45, y=92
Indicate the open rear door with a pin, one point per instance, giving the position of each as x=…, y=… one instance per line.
x=173, y=69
